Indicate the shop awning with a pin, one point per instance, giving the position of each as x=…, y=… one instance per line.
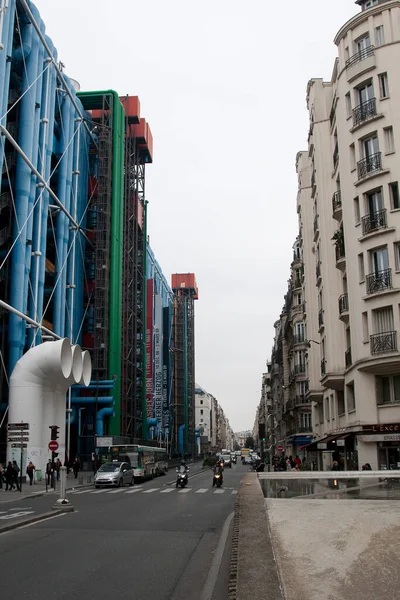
x=324, y=443
x=300, y=440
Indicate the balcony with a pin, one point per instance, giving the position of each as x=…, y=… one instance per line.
x=299, y=369
x=379, y=281
x=383, y=342
x=364, y=111
x=340, y=254
x=359, y=56
x=337, y=205
x=316, y=227
x=313, y=184
x=321, y=318
x=335, y=157
x=301, y=401
x=323, y=367
x=347, y=358
x=374, y=221
x=344, y=307
x=369, y=165
x=360, y=63
x=299, y=338
x=297, y=260
x=318, y=271
x=296, y=283
x=297, y=308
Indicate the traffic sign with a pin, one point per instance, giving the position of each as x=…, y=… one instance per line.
x=18, y=440
x=19, y=445
x=53, y=445
x=17, y=426
x=280, y=448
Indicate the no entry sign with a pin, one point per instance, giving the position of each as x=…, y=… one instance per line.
x=280, y=448
x=53, y=446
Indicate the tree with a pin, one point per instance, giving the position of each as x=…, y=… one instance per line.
x=249, y=443
x=236, y=446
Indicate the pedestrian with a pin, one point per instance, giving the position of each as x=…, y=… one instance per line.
x=49, y=471
x=94, y=462
x=58, y=466
x=76, y=466
x=1, y=476
x=30, y=469
x=15, y=474
x=297, y=460
x=9, y=476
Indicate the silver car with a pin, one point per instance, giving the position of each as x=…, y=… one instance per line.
x=114, y=473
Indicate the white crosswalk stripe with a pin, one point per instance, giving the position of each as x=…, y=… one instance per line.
x=117, y=491
x=185, y=490
x=151, y=490
x=138, y=489
x=219, y=491
x=167, y=491
x=80, y=492
x=100, y=491
x=234, y=492
x=201, y=491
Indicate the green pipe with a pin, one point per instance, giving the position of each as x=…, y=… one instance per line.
x=93, y=100
x=186, y=376
x=144, y=349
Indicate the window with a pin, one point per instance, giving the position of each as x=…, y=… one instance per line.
x=305, y=421
x=383, y=319
x=357, y=217
x=374, y=201
x=397, y=255
x=201, y=401
x=340, y=402
x=379, y=259
x=394, y=195
x=383, y=85
x=363, y=45
x=350, y=397
x=327, y=411
x=299, y=299
x=361, y=269
x=352, y=157
x=370, y=3
x=365, y=331
x=388, y=389
x=379, y=36
x=201, y=411
x=321, y=413
x=389, y=139
x=302, y=388
x=348, y=104
x=300, y=332
x=369, y=146
x=365, y=93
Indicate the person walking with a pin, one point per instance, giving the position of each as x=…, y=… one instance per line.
x=15, y=474
x=9, y=476
x=30, y=470
x=76, y=467
x=49, y=471
x=58, y=467
x=1, y=476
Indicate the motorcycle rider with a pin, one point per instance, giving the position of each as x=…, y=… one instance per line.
x=182, y=468
x=218, y=470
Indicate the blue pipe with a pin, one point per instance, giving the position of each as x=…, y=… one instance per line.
x=73, y=416
x=180, y=439
x=5, y=68
x=103, y=412
x=19, y=276
x=92, y=400
x=22, y=52
x=108, y=386
x=152, y=423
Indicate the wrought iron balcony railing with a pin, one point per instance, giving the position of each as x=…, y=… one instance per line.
x=299, y=369
x=373, y=221
x=315, y=223
x=339, y=250
x=321, y=317
x=323, y=366
x=347, y=357
x=343, y=303
x=335, y=156
x=383, y=342
x=369, y=165
x=359, y=56
x=301, y=400
x=297, y=283
x=318, y=270
x=379, y=281
x=337, y=201
x=364, y=111
x=299, y=338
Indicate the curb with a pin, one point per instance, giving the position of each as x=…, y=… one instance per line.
x=233, y=567
x=30, y=520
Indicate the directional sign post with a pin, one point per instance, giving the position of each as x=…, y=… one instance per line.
x=18, y=437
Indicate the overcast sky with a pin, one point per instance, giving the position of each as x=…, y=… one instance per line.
x=222, y=84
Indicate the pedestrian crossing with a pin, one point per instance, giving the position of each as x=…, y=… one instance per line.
x=156, y=490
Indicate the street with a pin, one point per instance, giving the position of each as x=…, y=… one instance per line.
x=148, y=542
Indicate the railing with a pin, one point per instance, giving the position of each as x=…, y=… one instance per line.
x=337, y=201
x=301, y=400
x=323, y=366
x=347, y=357
x=303, y=429
x=363, y=111
x=299, y=338
x=299, y=369
x=378, y=281
x=315, y=223
x=313, y=178
x=335, y=156
x=383, y=342
x=318, y=270
x=339, y=250
x=321, y=317
x=373, y=221
x=343, y=303
x=297, y=283
x=296, y=258
x=297, y=308
x=359, y=56
x=369, y=165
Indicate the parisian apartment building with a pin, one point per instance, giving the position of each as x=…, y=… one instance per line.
x=213, y=430
x=335, y=364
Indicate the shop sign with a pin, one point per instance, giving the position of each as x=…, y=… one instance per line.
x=322, y=446
x=341, y=442
x=380, y=437
x=382, y=428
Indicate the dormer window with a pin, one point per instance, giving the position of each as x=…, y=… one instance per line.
x=367, y=3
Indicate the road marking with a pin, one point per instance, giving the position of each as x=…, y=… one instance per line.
x=201, y=491
x=234, y=492
x=82, y=492
x=219, y=491
x=138, y=489
x=209, y=586
x=14, y=515
x=167, y=491
x=117, y=491
x=185, y=490
x=150, y=490
x=101, y=491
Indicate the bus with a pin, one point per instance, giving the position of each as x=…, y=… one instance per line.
x=147, y=461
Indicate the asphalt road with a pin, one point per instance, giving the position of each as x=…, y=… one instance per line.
x=149, y=542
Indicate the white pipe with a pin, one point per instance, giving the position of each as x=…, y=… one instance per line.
x=38, y=386
x=4, y=7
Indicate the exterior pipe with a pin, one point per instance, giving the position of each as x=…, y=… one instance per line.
x=180, y=439
x=8, y=17
x=92, y=399
x=144, y=285
x=186, y=382
x=103, y=412
x=22, y=52
x=29, y=320
x=38, y=385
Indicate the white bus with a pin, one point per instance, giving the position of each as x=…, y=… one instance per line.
x=147, y=461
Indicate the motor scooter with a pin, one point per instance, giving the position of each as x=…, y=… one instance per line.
x=182, y=477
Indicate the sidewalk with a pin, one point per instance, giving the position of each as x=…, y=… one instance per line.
x=39, y=487
x=317, y=549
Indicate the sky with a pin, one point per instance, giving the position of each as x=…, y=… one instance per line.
x=222, y=84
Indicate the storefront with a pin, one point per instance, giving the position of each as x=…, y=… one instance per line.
x=296, y=445
x=382, y=443
x=337, y=448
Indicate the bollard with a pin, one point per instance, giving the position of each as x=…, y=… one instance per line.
x=62, y=503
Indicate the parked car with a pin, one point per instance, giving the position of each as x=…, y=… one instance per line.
x=227, y=460
x=114, y=473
